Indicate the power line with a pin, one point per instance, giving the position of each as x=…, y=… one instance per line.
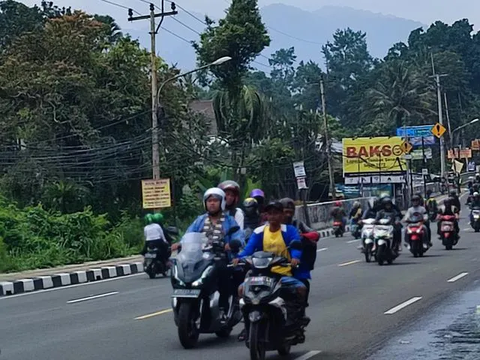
x=120, y=6
x=188, y=27
x=177, y=36
x=188, y=12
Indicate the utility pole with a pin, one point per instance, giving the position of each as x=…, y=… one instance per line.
x=153, y=32
x=327, y=141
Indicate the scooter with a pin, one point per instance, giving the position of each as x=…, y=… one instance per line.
x=475, y=223
x=368, y=238
x=356, y=229
x=384, y=247
x=448, y=234
x=153, y=265
x=415, y=235
x=338, y=229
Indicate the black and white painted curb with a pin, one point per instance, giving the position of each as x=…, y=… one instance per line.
x=66, y=279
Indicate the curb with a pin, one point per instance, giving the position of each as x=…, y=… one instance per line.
x=66, y=279
x=329, y=232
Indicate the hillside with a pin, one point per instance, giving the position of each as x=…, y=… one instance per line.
x=289, y=26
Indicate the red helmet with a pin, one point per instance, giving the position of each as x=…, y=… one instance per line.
x=338, y=203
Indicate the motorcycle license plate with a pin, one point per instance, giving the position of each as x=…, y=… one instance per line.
x=259, y=280
x=150, y=256
x=186, y=293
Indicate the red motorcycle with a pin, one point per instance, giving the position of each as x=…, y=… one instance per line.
x=416, y=234
x=338, y=228
x=447, y=231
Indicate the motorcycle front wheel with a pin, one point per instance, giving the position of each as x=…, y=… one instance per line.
x=187, y=327
x=257, y=341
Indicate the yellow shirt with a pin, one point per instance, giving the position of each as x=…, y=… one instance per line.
x=273, y=242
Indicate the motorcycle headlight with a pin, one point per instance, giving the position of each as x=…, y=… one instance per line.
x=205, y=273
x=261, y=263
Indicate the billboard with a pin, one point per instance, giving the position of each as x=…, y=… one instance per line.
x=415, y=134
x=374, y=156
x=156, y=194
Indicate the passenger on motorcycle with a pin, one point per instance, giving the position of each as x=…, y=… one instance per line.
x=214, y=224
x=448, y=209
x=252, y=216
x=388, y=211
x=338, y=214
x=371, y=212
x=232, y=197
x=475, y=201
x=431, y=205
x=356, y=213
x=155, y=237
x=275, y=237
x=417, y=213
x=259, y=195
x=309, y=239
x=455, y=200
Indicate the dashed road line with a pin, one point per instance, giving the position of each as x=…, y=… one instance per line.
x=403, y=305
x=458, y=277
x=308, y=355
x=349, y=263
x=92, y=297
x=148, y=316
x=322, y=249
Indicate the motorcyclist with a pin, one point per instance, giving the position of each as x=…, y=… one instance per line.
x=448, y=209
x=455, y=200
x=394, y=206
x=252, y=216
x=309, y=239
x=155, y=237
x=470, y=182
x=477, y=178
x=373, y=206
x=259, y=195
x=232, y=196
x=338, y=214
x=277, y=238
x=475, y=201
x=417, y=213
x=431, y=205
x=388, y=211
x=213, y=224
x=356, y=213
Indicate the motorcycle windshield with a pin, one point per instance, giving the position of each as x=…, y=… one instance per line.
x=191, y=261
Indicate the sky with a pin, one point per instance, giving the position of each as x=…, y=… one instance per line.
x=425, y=11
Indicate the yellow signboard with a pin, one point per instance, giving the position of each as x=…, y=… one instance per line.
x=438, y=130
x=156, y=194
x=373, y=155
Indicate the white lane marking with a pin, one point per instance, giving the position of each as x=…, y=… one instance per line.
x=458, y=277
x=92, y=297
x=69, y=287
x=350, y=263
x=308, y=355
x=353, y=241
x=322, y=249
x=466, y=229
x=148, y=316
x=403, y=305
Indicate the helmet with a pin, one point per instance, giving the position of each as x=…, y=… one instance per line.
x=230, y=185
x=357, y=204
x=453, y=193
x=384, y=195
x=257, y=193
x=386, y=200
x=416, y=198
x=148, y=219
x=429, y=192
x=447, y=201
x=216, y=192
x=250, y=205
x=476, y=194
x=157, y=218
x=372, y=202
x=288, y=203
x=274, y=205
x=338, y=203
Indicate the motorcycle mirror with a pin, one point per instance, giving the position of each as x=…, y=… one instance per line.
x=172, y=230
x=235, y=246
x=233, y=230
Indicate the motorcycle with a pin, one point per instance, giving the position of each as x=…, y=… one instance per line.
x=368, y=238
x=448, y=234
x=153, y=265
x=356, y=229
x=416, y=234
x=265, y=312
x=383, y=235
x=195, y=298
x=338, y=229
x=475, y=223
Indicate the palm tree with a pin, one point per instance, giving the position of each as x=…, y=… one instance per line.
x=401, y=96
x=113, y=32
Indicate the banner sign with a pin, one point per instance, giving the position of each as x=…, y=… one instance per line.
x=156, y=194
x=415, y=134
x=374, y=156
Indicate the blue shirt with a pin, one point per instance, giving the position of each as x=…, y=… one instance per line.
x=199, y=223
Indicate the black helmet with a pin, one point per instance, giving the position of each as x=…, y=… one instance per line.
x=386, y=200
x=288, y=203
x=453, y=193
x=416, y=198
x=250, y=205
x=277, y=205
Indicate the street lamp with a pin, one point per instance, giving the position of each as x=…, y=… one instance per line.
x=460, y=128
x=155, y=144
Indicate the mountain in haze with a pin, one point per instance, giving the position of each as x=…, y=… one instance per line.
x=288, y=26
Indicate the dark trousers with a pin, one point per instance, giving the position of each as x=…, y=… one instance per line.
x=162, y=247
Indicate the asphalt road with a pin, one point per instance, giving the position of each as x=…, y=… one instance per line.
x=355, y=309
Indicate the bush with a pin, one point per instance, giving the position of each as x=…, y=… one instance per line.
x=36, y=238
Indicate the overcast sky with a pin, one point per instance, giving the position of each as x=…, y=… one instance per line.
x=425, y=11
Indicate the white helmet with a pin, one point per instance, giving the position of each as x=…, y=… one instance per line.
x=476, y=193
x=218, y=193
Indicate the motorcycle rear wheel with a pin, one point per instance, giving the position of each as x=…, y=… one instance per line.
x=256, y=340
x=284, y=350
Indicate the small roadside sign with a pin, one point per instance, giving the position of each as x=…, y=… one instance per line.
x=438, y=130
x=299, y=169
x=424, y=171
x=156, y=194
x=407, y=147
